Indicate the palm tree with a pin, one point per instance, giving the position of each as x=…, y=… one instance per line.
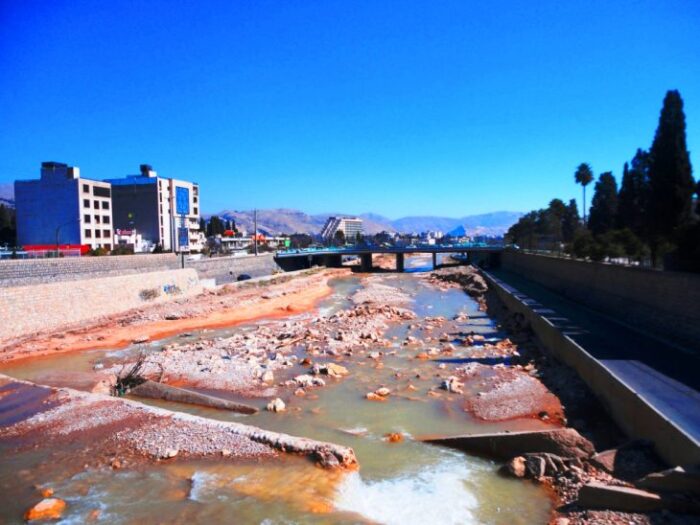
x=584, y=176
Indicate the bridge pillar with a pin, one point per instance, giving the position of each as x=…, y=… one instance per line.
x=434, y=260
x=366, y=262
x=333, y=261
x=399, y=262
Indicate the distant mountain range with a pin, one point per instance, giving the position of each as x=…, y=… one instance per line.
x=276, y=221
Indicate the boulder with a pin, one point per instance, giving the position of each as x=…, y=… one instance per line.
x=564, y=442
x=276, y=405
x=46, y=509
x=516, y=467
x=383, y=391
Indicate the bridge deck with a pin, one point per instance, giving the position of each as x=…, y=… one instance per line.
x=394, y=250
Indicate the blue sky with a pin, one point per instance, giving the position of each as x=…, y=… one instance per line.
x=399, y=108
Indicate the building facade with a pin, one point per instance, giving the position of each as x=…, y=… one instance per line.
x=350, y=226
x=163, y=211
x=62, y=208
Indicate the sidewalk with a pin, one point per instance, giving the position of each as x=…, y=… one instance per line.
x=666, y=376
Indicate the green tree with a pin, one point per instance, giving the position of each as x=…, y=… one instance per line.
x=215, y=226
x=604, y=205
x=202, y=225
x=584, y=176
x=339, y=238
x=571, y=222
x=670, y=174
x=633, y=199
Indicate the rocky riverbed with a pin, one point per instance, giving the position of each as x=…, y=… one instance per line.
x=385, y=366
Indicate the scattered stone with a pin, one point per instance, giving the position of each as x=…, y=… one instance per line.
x=141, y=339
x=393, y=437
x=46, y=509
x=383, y=391
x=452, y=384
x=276, y=405
x=267, y=377
x=307, y=380
x=170, y=453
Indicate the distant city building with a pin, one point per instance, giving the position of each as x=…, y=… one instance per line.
x=133, y=240
x=164, y=211
x=63, y=208
x=350, y=226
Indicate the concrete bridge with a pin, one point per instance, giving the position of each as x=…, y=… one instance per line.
x=290, y=260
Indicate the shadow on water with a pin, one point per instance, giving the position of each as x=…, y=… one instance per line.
x=481, y=360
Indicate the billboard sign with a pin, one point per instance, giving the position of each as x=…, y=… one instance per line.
x=183, y=238
x=182, y=200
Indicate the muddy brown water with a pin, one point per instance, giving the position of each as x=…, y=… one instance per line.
x=403, y=483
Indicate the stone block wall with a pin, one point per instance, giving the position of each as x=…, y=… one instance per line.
x=33, y=271
x=29, y=309
x=662, y=303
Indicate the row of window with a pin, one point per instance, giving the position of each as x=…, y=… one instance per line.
x=97, y=191
x=107, y=234
x=103, y=219
x=105, y=204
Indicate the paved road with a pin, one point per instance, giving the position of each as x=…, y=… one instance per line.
x=667, y=376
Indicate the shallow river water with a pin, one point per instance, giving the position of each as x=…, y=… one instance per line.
x=403, y=483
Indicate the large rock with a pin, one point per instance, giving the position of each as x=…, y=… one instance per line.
x=564, y=442
x=153, y=390
x=46, y=509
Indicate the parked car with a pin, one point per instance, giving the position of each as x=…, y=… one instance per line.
x=243, y=277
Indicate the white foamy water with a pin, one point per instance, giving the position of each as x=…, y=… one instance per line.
x=437, y=494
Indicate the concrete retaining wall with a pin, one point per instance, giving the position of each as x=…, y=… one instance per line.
x=34, y=271
x=227, y=269
x=28, y=309
x=664, y=302
x=634, y=415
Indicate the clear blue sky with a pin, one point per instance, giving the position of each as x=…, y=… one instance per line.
x=400, y=108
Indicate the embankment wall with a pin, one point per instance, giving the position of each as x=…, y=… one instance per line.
x=227, y=269
x=35, y=271
x=633, y=414
x=663, y=303
x=28, y=309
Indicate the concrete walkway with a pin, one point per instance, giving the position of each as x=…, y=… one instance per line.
x=666, y=376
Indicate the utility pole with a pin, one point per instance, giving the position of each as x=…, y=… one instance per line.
x=255, y=234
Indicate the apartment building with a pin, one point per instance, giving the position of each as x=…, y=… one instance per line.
x=350, y=226
x=61, y=208
x=163, y=211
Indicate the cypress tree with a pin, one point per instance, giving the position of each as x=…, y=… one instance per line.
x=670, y=174
x=634, y=194
x=604, y=205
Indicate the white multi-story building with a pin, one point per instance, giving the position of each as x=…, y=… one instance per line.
x=350, y=226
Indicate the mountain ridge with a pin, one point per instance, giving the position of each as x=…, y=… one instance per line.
x=287, y=221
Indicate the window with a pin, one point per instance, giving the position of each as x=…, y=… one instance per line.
x=97, y=219
x=105, y=219
x=86, y=203
x=108, y=246
x=194, y=199
x=195, y=211
x=86, y=218
x=86, y=188
x=105, y=205
x=97, y=205
x=105, y=234
x=99, y=191
x=98, y=233
x=88, y=234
